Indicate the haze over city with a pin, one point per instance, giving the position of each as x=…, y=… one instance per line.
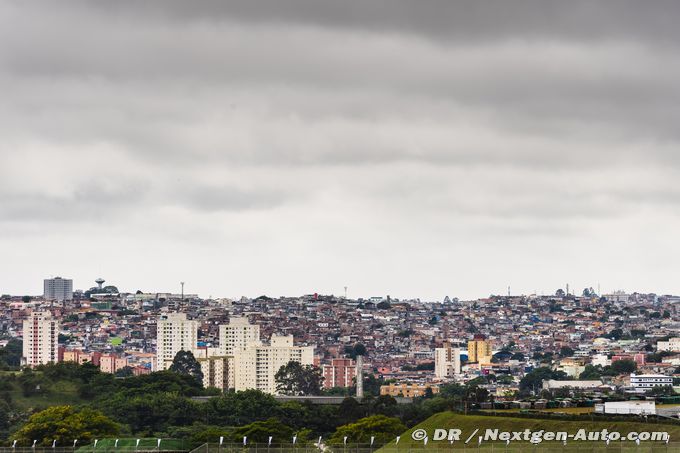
x=293, y=147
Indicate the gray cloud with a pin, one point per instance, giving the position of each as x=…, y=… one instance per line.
x=465, y=143
x=465, y=20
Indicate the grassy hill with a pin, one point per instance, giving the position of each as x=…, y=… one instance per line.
x=469, y=423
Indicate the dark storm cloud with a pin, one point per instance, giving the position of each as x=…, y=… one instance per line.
x=440, y=19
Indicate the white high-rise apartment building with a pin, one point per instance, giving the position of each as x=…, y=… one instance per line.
x=174, y=333
x=215, y=367
x=446, y=362
x=58, y=288
x=257, y=364
x=234, y=337
x=237, y=335
x=41, y=339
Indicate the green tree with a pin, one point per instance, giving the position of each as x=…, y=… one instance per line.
x=353, y=351
x=387, y=405
x=625, y=366
x=566, y=351
x=154, y=412
x=481, y=380
x=10, y=355
x=383, y=428
x=504, y=379
x=5, y=414
x=533, y=381
x=615, y=334
x=590, y=372
x=296, y=414
x=350, y=409
x=126, y=371
x=64, y=424
x=452, y=391
x=296, y=379
x=661, y=390
x=241, y=408
x=159, y=382
x=259, y=432
x=200, y=434
x=476, y=393
x=638, y=333
x=185, y=363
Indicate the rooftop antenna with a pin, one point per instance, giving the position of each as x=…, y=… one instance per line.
x=182, y=283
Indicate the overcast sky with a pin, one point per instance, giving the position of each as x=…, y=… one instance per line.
x=411, y=148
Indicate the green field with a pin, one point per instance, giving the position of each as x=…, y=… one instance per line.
x=469, y=423
x=557, y=410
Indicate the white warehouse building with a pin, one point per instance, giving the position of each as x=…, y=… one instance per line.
x=627, y=407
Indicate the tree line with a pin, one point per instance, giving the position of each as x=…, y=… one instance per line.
x=160, y=404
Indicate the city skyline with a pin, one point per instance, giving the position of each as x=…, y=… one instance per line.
x=567, y=288
x=288, y=147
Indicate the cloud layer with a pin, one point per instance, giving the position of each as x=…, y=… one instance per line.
x=413, y=149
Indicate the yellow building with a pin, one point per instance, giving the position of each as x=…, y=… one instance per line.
x=79, y=357
x=479, y=350
x=407, y=390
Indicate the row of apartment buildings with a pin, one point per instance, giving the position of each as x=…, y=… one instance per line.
x=447, y=360
x=241, y=361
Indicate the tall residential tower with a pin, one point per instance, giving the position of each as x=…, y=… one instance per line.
x=41, y=339
x=174, y=333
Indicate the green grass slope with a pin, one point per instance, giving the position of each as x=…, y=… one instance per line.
x=469, y=423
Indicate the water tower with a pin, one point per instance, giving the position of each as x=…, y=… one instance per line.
x=100, y=281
